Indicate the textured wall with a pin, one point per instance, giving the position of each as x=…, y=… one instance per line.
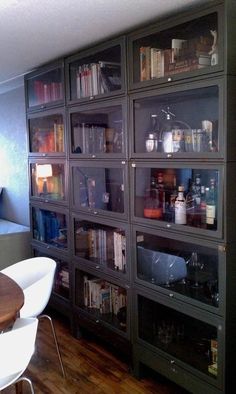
x=14, y=203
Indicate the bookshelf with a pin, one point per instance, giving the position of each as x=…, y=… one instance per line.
x=143, y=137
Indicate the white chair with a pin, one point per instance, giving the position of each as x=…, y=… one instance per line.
x=35, y=276
x=16, y=350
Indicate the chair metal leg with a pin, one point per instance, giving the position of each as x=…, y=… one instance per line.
x=24, y=378
x=56, y=342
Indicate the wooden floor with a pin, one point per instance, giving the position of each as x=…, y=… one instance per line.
x=90, y=368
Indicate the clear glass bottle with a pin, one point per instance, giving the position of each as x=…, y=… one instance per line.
x=180, y=207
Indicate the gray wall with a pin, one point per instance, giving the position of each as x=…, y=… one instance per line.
x=14, y=202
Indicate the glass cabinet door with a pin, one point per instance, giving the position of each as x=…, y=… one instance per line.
x=98, y=187
x=96, y=72
x=181, y=123
x=185, y=337
x=46, y=134
x=187, y=196
x=98, y=131
x=61, y=285
x=102, y=300
x=48, y=180
x=191, y=269
x=101, y=244
x=191, y=47
x=45, y=88
x=50, y=227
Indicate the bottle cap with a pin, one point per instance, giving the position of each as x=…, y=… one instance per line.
x=181, y=188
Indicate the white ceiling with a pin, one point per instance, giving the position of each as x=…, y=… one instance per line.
x=34, y=32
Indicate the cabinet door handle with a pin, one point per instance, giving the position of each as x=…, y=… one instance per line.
x=168, y=225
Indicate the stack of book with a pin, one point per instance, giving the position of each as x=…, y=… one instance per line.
x=183, y=56
x=97, y=78
x=103, y=296
x=102, y=246
x=46, y=92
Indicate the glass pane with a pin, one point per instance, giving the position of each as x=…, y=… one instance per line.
x=97, y=131
x=101, y=244
x=185, y=121
x=186, y=268
x=49, y=227
x=187, y=47
x=102, y=299
x=178, y=195
x=61, y=280
x=186, y=338
x=96, y=74
x=47, y=134
x=45, y=88
x=98, y=188
x=48, y=180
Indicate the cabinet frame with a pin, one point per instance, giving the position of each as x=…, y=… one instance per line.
x=193, y=312
x=91, y=51
x=98, y=164
x=219, y=82
x=40, y=71
x=169, y=291
x=96, y=106
x=44, y=114
x=97, y=266
x=51, y=161
x=219, y=233
x=124, y=284
x=169, y=23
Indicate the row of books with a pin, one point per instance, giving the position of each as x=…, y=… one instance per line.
x=47, y=92
x=104, y=296
x=183, y=56
x=49, y=227
x=102, y=246
x=48, y=140
x=62, y=278
x=97, y=78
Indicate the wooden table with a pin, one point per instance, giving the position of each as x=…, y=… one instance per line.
x=11, y=300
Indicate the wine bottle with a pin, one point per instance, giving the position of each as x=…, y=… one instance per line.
x=211, y=206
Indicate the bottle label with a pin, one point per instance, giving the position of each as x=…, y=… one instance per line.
x=180, y=212
x=210, y=214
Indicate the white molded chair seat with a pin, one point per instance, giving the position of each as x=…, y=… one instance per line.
x=35, y=276
x=16, y=350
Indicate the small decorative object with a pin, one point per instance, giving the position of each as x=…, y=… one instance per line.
x=214, y=50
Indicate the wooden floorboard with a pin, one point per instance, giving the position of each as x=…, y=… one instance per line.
x=90, y=367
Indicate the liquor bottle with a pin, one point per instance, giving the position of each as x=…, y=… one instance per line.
x=152, y=206
x=211, y=223
x=197, y=189
x=190, y=204
x=203, y=207
x=161, y=191
x=152, y=138
x=180, y=207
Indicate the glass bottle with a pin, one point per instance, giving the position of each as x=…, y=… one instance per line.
x=211, y=206
x=161, y=191
x=152, y=207
x=180, y=207
x=151, y=142
x=203, y=207
x=190, y=204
